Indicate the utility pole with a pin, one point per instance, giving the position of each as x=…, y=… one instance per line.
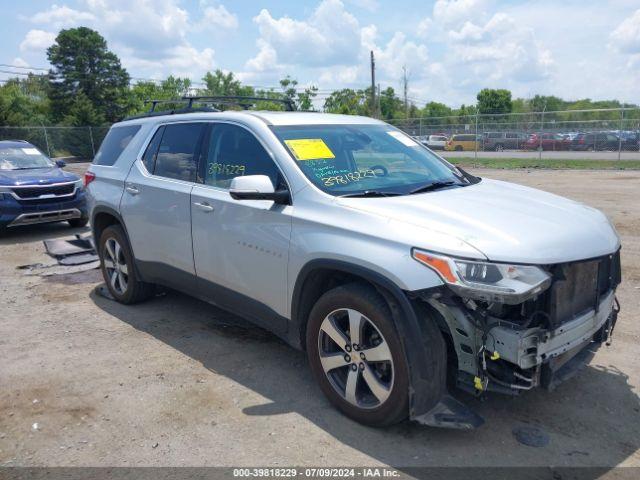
x=373, y=85
x=405, y=83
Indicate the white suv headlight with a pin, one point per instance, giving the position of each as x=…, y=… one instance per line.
x=491, y=282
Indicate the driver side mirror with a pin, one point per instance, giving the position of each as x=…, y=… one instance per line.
x=61, y=163
x=257, y=187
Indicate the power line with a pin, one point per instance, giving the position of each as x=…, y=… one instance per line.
x=27, y=67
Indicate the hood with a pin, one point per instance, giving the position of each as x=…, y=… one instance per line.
x=35, y=176
x=504, y=221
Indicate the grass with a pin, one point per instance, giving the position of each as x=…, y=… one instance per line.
x=554, y=164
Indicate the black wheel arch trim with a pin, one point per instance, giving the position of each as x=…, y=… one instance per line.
x=110, y=211
x=445, y=412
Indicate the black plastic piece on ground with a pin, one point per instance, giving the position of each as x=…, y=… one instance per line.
x=530, y=436
x=450, y=413
x=60, y=248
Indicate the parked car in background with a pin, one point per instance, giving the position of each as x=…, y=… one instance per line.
x=570, y=135
x=595, y=141
x=435, y=142
x=630, y=141
x=34, y=189
x=499, y=141
x=547, y=141
x=462, y=142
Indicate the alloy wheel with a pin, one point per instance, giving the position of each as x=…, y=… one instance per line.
x=356, y=358
x=115, y=266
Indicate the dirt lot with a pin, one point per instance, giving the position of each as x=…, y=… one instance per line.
x=177, y=382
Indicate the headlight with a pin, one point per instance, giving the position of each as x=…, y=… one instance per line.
x=79, y=184
x=491, y=282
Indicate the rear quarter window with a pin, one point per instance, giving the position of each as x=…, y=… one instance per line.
x=114, y=144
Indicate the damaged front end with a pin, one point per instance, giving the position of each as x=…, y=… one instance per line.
x=512, y=328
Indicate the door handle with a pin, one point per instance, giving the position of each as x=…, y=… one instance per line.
x=132, y=189
x=204, y=206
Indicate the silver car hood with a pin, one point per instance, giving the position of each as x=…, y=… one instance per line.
x=504, y=221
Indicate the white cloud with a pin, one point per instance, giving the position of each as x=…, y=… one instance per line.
x=453, y=13
x=62, y=16
x=425, y=27
x=19, y=62
x=152, y=36
x=37, y=40
x=218, y=17
x=330, y=36
x=626, y=37
x=332, y=45
x=500, y=50
x=265, y=60
x=396, y=54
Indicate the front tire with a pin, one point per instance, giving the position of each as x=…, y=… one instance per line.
x=118, y=267
x=356, y=355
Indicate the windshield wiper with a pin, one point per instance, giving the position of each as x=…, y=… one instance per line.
x=435, y=186
x=371, y=193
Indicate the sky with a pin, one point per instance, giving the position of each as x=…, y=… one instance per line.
x=450, y=48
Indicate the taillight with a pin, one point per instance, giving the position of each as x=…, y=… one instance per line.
x=88, y=178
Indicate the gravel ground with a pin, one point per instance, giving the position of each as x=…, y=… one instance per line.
x=85, y=381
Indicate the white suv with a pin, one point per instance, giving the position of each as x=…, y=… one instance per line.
x=399, y=274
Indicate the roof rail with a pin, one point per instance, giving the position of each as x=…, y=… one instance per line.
x=243, y=101
x=215, y=100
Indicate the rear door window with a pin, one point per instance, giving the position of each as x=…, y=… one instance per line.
x=177, y=154
x=114, y=144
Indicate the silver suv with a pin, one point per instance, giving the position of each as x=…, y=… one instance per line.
x=401, y=275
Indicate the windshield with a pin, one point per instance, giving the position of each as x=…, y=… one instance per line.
x=22, y=158
x=352, y=159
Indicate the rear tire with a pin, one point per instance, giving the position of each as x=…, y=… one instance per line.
x=118, y=267
x=372, y=387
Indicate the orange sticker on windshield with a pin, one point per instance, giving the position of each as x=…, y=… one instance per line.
x=309, y=149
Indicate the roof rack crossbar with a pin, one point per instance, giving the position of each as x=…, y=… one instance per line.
x=239, y=100
x=155, y=103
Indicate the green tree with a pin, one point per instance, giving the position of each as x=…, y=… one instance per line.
x=390, y=105
x=346, y=101
x=301, y=100
x=547, y=103
x=24, y=101
x=169, y=89
x=82, y=64
x=494, y=101
x=219, y=83
x=435, y=109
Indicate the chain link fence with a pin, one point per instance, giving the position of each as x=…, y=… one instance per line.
x=597, y=134
x=594, y=134
x=81, y=142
